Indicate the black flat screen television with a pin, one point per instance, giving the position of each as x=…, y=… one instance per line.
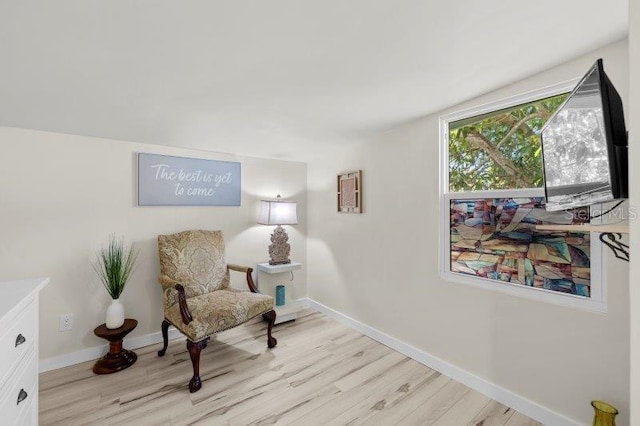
x=584, y=146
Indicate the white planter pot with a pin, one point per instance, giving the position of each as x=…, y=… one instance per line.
x=115, y=314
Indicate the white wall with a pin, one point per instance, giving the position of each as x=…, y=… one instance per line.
x=60, y=198
x=634, y=192
x=381, y=268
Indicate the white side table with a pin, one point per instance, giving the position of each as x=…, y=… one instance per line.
x=269, y=276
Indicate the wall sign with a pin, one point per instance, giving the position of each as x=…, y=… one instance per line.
x=180, y=181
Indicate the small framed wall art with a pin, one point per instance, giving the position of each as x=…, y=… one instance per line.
x=350, y=192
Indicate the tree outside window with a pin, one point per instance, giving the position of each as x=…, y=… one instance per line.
x=500, y=150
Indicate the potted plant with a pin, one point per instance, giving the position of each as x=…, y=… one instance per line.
x=114, y=265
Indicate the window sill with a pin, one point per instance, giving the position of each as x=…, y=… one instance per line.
x=533, y=293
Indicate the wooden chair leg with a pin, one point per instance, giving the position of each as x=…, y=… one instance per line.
x=165, y=337
x=270, y=317
x=194, y=349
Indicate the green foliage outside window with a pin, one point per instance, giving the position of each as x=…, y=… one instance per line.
x=500, y=150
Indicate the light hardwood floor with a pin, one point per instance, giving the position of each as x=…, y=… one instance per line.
x=321, y=373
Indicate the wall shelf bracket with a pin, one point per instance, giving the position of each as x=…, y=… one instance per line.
x=612, y=240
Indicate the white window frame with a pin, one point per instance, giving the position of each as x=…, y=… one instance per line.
x=598, y=289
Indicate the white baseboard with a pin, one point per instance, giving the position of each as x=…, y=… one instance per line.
x=493, y=391
x=96, y=352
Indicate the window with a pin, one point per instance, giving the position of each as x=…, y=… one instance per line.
x=493, y=198
x=500, y=149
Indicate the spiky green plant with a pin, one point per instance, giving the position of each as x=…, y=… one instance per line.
x=114, y=265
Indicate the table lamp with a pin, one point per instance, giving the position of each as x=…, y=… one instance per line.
x=278, y=212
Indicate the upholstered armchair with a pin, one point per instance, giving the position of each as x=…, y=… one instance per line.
x=198, y=299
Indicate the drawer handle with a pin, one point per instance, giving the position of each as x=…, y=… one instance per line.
x=20, y=340
x=22, y=396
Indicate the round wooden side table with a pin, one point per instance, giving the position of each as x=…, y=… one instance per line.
x=118, y=358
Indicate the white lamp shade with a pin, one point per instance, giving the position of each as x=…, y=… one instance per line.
x=278, y=213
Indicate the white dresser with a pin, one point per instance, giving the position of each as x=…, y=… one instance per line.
x=19, y=351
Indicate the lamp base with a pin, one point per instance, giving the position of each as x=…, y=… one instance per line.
x=279, y=262
x=279, y=248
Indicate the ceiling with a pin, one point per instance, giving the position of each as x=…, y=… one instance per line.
x=290, y=79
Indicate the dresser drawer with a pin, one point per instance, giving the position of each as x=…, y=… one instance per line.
x=28, y=415
x=22, y=386
x=20, y=339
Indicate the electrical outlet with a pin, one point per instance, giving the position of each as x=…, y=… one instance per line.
x=66, y=322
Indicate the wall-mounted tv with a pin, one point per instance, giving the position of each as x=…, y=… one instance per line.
x=584, y=146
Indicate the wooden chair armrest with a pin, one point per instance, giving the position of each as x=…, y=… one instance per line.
x=182, y=302
x=238, y=268
x=248, y=271
x=166, y=281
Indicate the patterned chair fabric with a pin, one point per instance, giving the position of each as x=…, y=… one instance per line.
x=219, y=311
x=197, y=297
x=196, y=260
